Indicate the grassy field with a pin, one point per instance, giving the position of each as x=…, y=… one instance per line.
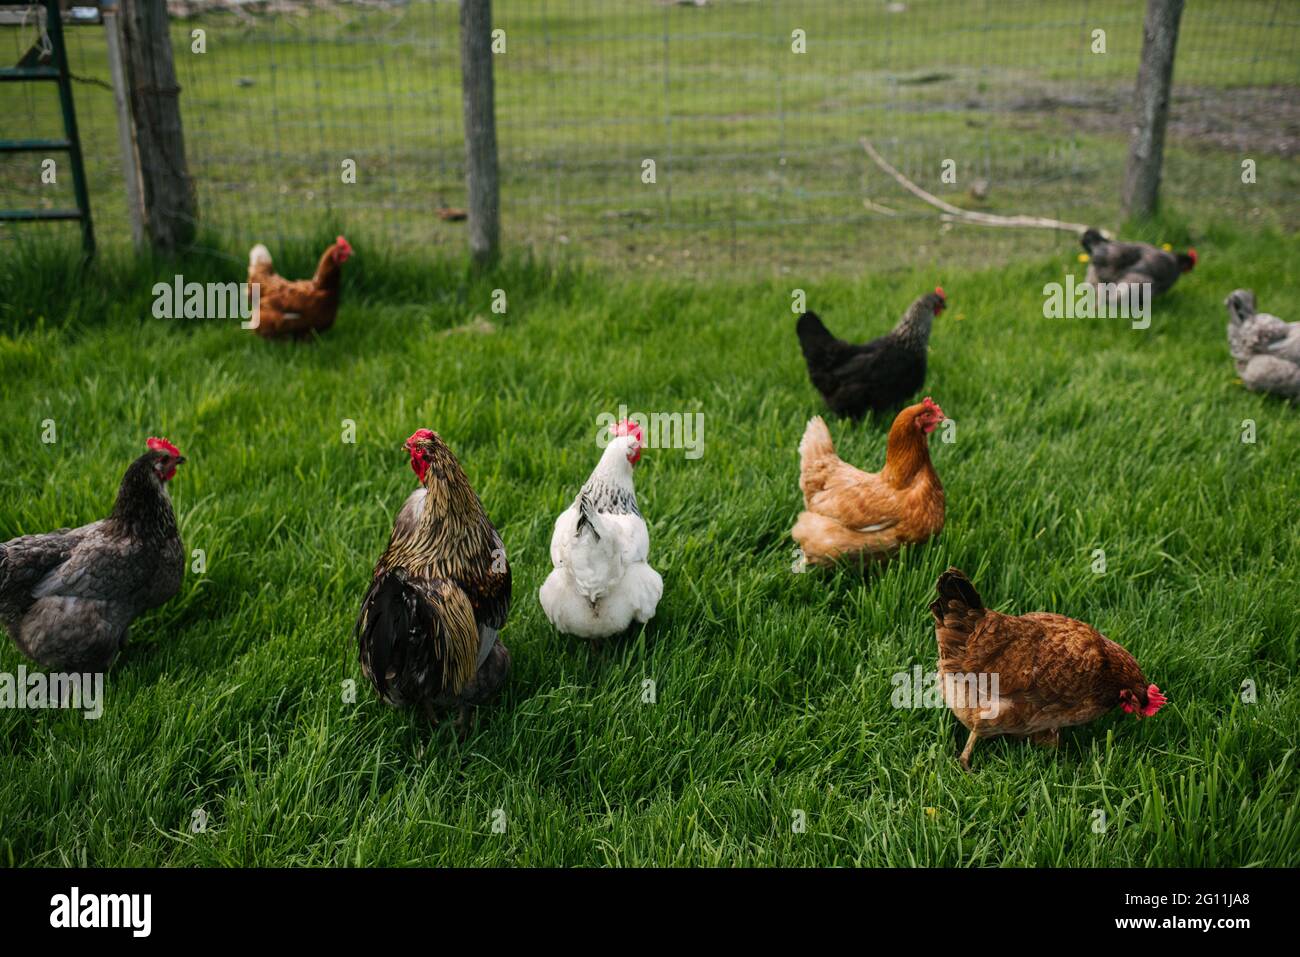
x=772, y=690
x=758, y=165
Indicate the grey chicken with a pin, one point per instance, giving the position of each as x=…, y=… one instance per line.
x=1266, y=350
x=1124, y=264
x=68, y=597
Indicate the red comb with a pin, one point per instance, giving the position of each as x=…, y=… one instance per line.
x=931, y=405
x=940, y=292
x=1155, y=701
x=162, y=445
x=628, y=427
x=1192, y=253
x=420, y=435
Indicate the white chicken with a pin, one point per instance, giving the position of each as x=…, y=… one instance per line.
x=601, y=582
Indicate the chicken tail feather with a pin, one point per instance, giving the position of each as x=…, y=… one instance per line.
x=1091, y=239
x=417, y=638
x=818, y=344
x=816, y=456
x=810, y=328
x=816, y=444
x=957, y=611
x=954, y=586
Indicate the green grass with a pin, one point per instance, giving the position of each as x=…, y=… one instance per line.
x=773, y=690
x=759, y=168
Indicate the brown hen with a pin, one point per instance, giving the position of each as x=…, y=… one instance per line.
x=296, y=308
x=1028, y=675
x=849, y=512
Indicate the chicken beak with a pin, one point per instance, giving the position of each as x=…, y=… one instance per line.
x=180, y=460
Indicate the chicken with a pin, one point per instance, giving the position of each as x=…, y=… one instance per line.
x=1028, y=675
x=1266, y=350
x=68, y=597
x=850, y=513
x=429, y=626
x=601, y=582
x=298, y=308
x=1123, y=264
x=878, y=376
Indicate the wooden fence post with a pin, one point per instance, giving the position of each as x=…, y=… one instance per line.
x=122, y=106
x=480, y=130
x=1155, y=76
x=170, y=208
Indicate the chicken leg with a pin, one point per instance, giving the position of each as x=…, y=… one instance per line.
x=965, y=752
x=431, y=712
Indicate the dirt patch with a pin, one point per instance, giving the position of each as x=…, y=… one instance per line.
x=1257, y=119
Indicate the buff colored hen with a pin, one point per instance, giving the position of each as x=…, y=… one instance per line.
x=849, y=513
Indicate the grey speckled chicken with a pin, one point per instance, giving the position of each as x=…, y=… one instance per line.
x=68, y=597
x=1125, y=264
x=1266, y=350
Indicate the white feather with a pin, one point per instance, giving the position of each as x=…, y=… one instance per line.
x=601, y=581
x=259, y=255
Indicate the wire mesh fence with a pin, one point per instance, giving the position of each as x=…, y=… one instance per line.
x=693, y=134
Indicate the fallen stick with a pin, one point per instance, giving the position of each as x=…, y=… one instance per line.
x=955, y=214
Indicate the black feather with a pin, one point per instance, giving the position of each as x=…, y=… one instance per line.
x=403, y=645
x=954, y=586
x=856, y=379
x=585, y=512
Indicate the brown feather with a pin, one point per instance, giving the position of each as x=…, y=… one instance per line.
x=849, y=512
x=296, y=307
x=1052, y=671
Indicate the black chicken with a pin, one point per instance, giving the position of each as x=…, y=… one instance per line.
x=1130, y=263
x=69, y=596
x=878, y=376
x=439, y=596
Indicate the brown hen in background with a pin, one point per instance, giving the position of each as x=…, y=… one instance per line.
x=296, y=308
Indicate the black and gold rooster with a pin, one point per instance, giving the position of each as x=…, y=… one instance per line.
x=440, y=594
